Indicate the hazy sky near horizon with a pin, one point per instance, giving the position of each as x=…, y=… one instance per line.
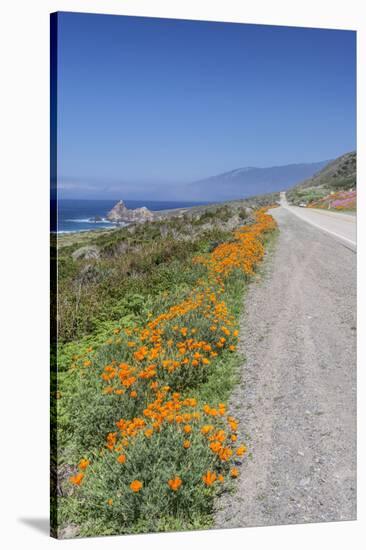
x=167, y=101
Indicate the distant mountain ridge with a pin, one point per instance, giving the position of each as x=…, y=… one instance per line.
x=247, y=181
x=239, y=183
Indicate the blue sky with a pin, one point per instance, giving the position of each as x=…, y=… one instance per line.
x=144, y=101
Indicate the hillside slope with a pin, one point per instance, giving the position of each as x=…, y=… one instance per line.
x=337, y=175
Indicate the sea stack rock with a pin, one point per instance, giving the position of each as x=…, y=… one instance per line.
x=120, y=213
x=142, y=214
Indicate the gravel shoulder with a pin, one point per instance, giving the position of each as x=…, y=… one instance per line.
x=297, y=398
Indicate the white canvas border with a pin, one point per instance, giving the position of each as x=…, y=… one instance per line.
x=24, y=273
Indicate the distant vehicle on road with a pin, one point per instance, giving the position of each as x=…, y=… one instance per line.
x=303, y=204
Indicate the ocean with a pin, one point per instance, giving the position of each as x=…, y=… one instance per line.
x=74, y=215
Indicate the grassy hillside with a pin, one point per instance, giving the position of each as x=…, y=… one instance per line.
x=134, y=263
x=146, y=362
x=338, y=175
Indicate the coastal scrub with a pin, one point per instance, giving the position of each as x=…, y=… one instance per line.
x=153, y=452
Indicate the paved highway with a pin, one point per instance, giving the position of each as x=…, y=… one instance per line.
x=341, y=226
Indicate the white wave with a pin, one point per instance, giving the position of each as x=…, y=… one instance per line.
x=89, y=220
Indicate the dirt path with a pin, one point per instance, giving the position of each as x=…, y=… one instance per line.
x=297, y=399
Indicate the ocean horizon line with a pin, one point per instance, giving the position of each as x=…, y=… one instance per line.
x=76, y=215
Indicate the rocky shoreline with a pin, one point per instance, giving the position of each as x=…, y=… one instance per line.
x=121, y=214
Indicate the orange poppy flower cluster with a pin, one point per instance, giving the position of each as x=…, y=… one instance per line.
x=171, y=409
x=189, y=335
x=189, y=420
x=245, y=252
x=79, y=476
x=182, y=342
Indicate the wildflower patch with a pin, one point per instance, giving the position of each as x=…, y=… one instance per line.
x=166, y=453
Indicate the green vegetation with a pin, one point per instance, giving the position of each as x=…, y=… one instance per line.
x=136, y=265
x=307, y=195
x=105, y=302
